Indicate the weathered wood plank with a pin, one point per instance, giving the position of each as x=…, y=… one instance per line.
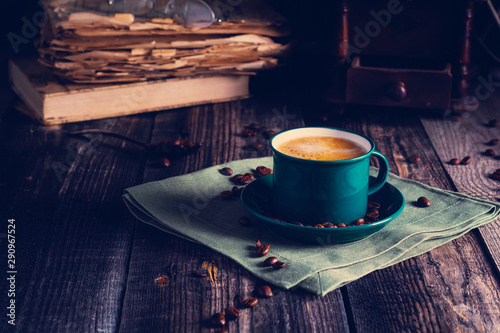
x=73, y=233
x=469, y=136
x=187, y=302
x=430, y=292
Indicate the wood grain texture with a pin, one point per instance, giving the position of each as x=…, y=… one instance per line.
x=73, y=233
x=187, y=302
x=470, y=133
x=430, y=292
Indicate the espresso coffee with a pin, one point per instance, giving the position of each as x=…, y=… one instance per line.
x=322, y=148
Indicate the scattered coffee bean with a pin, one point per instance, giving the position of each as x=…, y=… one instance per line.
x=246, y=179
x=256, y=145
x=237, y=178
x=249, y=175
x=329, y=225
x=493, y=123
x=423, y=202
x=226, y=195
x=270, y=261
x=245, y=221
x=262, y=250
x=201, y=273
x=232, y=313
x=161, y=280
x=359, y=222
x=493, y=142
x=454, y=161
x=246, y=132
x=165, y=161
x=489, y=152
x=319, y=226
x=308, y=225
x=250, y=302
x=265, y=291
x=341, y=225
x=278, y=265
x=372, y=204
x=218, y=319
x=466, y=160
x=415, y=159
x=263, y=171
x=495, y=175
x=226, y=171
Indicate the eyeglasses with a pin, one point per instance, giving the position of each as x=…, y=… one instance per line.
x=189, y=13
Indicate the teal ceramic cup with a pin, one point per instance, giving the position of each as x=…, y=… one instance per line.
x=312, y=191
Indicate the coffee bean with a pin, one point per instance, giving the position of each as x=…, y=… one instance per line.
x=359, y=222
x=226, y=171
x=466, y=160
x=454, y=161
x=341, y=225
x=308, y=225
x=162, y=280
x=226, y=195
x=250, y=302
x=232, y=313
x=256, y=145
x=493, y=142
x=250, y=175
x=295, y=222
x=423, y=202
x=415, y=159
x=263, y=171
x=373, y=204
x=201, y=273
x=270, y=261
x=165, y=161
x=265, y=291
x=372, y=215
x=278, y=265
x=493, y=123
x=218, y=319
x=489, y=152
x=329, y=225
x=245, y=221
x=246, y=179
x=247, y=132
x=263, y=250
x=237, y=178
x=319, y=226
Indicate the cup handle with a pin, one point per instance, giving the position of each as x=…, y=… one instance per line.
x=383, y=172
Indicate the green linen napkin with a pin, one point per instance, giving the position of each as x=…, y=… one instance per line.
x=190, y=207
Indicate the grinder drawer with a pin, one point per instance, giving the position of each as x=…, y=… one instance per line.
x=418, y=88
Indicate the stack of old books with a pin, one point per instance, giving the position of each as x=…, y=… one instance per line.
x=92, y=49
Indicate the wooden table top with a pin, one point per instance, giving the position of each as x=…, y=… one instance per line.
x=85, y=264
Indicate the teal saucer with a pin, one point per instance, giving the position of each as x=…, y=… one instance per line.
x=258, y=194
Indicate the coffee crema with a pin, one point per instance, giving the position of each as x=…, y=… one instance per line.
x=322, y=148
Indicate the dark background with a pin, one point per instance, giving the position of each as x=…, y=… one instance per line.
x=315, y=33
